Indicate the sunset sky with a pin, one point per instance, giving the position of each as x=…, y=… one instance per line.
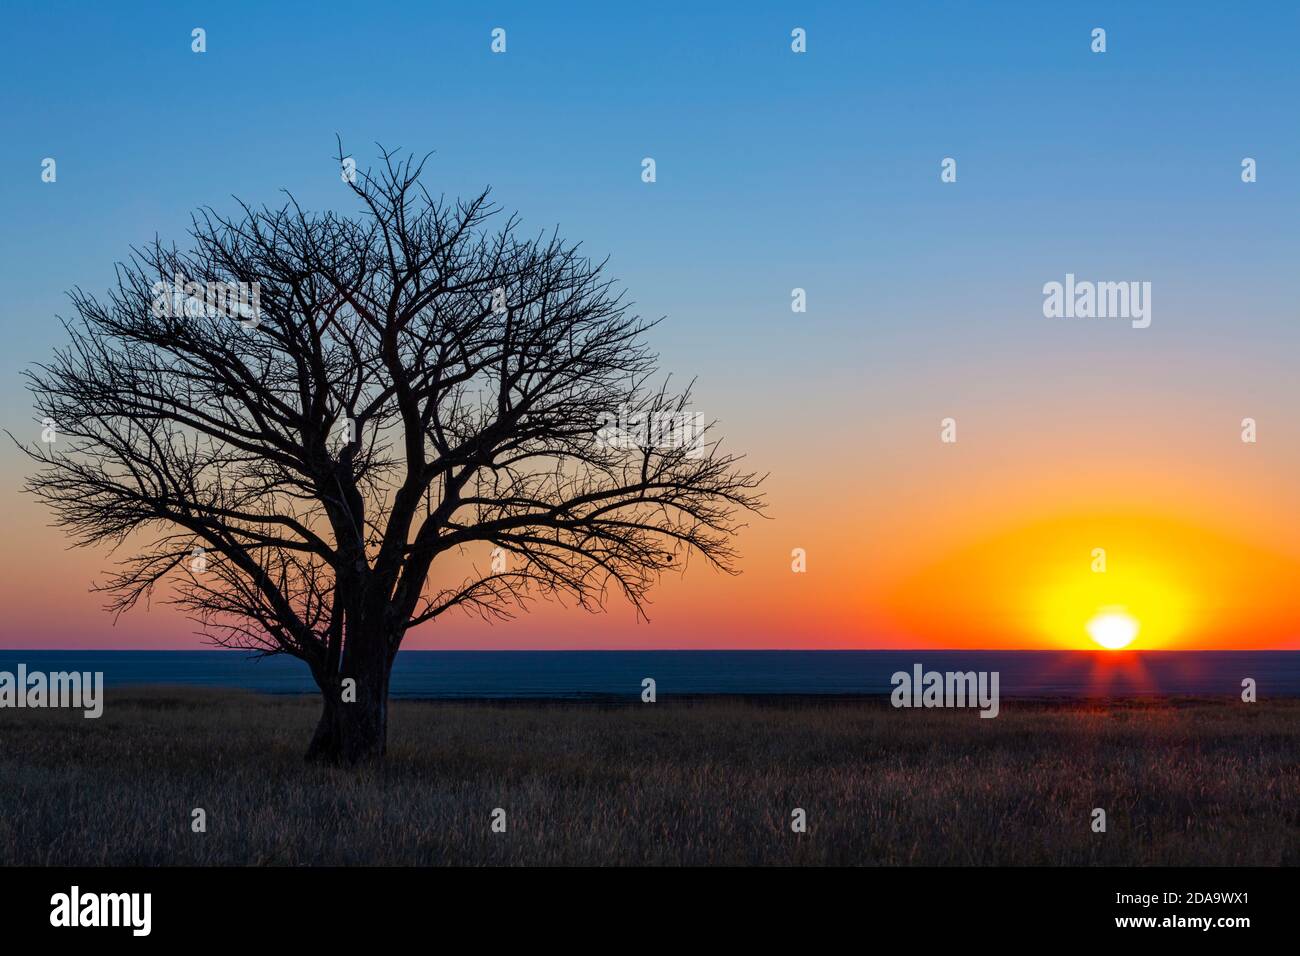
x=775, y=171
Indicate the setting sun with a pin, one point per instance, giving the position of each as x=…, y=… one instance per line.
x=1052, y=582
x=1112, y=628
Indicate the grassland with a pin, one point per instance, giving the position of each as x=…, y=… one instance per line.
x=676, y=782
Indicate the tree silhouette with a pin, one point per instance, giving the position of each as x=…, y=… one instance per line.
x=410, y=386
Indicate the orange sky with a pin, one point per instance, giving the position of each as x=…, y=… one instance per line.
x=960, y=545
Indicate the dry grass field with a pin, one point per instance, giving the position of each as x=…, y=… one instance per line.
x=676, y=782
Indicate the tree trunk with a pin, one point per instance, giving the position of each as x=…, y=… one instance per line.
x=353, y=726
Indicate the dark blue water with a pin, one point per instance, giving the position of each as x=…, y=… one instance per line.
x=453, y=674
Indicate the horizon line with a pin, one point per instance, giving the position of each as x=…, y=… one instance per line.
x=647, y=650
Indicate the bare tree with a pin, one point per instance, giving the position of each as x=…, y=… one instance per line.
x=410, y=384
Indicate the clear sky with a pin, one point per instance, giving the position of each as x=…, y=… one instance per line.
x=775, y=170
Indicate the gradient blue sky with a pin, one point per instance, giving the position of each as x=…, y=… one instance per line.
x=774, y=171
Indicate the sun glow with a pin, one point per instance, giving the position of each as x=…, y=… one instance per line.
x=1042, y=584
x=1111, y=608
x=1113, y=628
